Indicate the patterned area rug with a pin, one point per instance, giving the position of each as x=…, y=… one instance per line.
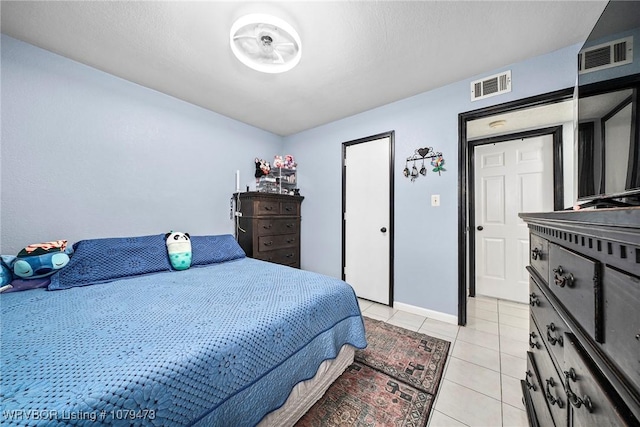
x=392, y=382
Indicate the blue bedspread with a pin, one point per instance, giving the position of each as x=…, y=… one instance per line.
x=214, y=346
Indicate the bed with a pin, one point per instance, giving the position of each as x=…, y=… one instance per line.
x=120, y=338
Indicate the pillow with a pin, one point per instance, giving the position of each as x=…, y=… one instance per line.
x=105, y=260
x=213, y=249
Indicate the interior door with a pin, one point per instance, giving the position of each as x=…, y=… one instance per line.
x=367, y=218
x=509, y=177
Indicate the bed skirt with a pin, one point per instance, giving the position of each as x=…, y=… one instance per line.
x=308, y=392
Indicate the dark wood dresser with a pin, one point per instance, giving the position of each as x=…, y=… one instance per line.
x=583, y=367
x=269, y=227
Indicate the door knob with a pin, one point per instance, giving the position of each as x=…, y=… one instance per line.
x=383, y=229
x=480, y=228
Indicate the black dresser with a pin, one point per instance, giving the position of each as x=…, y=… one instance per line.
x=583, y=367
x=269, y=226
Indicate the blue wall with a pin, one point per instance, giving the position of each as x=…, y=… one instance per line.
x=426, y=249
x=86, y=154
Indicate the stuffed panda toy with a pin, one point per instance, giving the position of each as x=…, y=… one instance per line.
x=179, y=249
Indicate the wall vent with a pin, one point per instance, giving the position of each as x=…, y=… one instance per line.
x=491, y=86
x=606, y=55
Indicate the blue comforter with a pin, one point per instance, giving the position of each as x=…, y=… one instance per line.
x=214, y=346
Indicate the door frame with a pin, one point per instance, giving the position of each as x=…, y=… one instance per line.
x=465, y=149
x=558, y=190
x=391, y=136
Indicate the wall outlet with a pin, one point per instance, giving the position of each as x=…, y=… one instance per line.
x=435, y=200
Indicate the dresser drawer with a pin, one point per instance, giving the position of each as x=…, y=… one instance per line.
x=269, y=227
x=270, y=243
x=551, y=383
x=552, y=327
x=289, y=208
x=621, y=294
x=536, y=393
x=574, y=280
x=267, y=207
x=288, y=256
x=539, y=255
x=591, y=405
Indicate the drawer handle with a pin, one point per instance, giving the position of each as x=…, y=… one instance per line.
x=289, y=255
x=290, y=225
x=533, y=299
x=560, y=279
x=269, y=243
x=291, y=240
x=526, y=380
x=267, y=208
x=572, y=397
x=553, y=339
x=536, y=254
x=551, y=398
x=267, y=227
x=532, y=344
x=288, y=208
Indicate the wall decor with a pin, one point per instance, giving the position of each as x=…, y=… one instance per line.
x=436, y=159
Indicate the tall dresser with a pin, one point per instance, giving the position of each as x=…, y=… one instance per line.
x=583, y=364
x=269, y=227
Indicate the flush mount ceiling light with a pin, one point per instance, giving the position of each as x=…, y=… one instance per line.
x=497, y=124
x=265, y=43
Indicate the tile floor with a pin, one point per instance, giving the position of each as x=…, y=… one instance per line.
x=487, y=359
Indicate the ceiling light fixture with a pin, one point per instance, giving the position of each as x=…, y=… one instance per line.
x=497, y=124
x=265, y=43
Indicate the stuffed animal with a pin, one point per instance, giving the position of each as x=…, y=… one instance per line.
x=262, y=168
x=41, y=260
x=289, y=163
x=5, y=274
x=179, y=249
x=278, y=162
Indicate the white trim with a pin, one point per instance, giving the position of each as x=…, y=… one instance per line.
x=436, y=315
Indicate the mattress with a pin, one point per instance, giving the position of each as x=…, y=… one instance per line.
x=212, y=346
x=308, y=392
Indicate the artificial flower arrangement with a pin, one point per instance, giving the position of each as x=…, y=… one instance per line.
x=438, y=164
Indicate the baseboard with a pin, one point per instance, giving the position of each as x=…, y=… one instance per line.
x=436, y=315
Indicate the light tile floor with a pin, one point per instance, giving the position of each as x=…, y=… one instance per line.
x=487, y=359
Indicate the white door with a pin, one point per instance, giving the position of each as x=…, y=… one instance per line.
x=510, y=177
x=367, y=219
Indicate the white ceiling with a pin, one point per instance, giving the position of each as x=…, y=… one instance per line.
x=356, y=55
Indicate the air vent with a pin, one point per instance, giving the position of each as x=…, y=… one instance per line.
x=491, y=86
x=606, y=55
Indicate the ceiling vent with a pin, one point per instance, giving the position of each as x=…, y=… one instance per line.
x=606, y=55
x=491, y=86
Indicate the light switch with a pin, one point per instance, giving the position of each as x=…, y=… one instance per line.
x=435, y=200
